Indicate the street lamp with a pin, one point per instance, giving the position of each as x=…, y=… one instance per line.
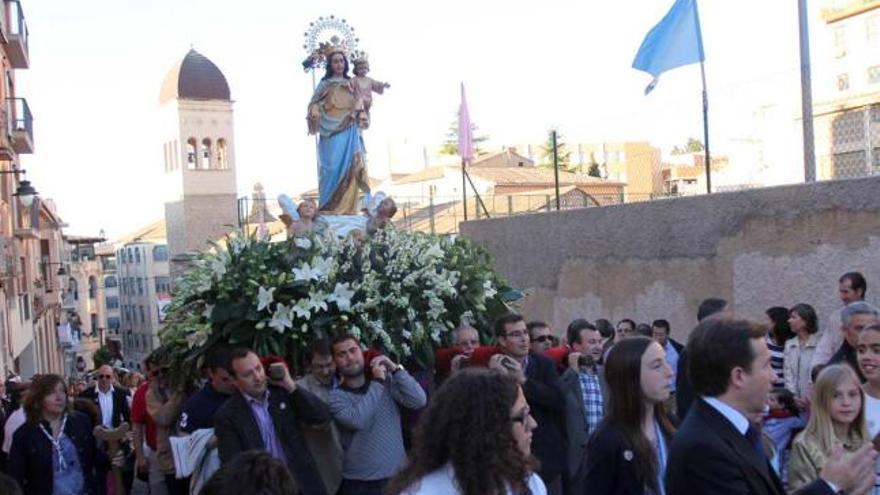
x=25, y=191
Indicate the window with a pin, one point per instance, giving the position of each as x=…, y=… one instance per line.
x=160, y=253
x=96, y=330
x=839, y=39
x=113, y=323
x=110, y=282
x=141, y=312
x=874, y=74
x=843, y=82
x=222, y=159
x=137, y=255
x=875, y=153
x=93, y=288
x=191, y=154
x=112, y=302
x=140, y=283
x=872, y=28
x=163, y=285
x=205, y=154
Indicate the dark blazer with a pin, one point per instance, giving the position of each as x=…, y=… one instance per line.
x=30, y=460
x=237, y=431
x=121, y=412
x=709, y=455
x=610, y=466
x=543, y=391
x=684, y=394
x=575, y=426
x=678, y=346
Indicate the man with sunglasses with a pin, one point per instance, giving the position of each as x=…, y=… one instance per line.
x=111, y=400
x=543, y=391
x=540, y=336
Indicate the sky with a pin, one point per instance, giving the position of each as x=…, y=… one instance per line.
x=97, y=67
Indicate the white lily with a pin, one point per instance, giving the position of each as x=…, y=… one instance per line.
x=302, y=243
x=341, y=296
x=301, y=309
x=265, y=298
x=305, y=272
x=281, y=319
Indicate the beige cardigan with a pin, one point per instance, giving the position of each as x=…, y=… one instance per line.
x=808, y=458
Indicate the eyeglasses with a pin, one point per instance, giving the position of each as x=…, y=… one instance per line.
x=105, y=377
x=522, y=417
x=543, y=338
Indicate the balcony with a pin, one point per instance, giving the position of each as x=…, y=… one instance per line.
x=17, y=36
x=21, y=126
x=837, y=10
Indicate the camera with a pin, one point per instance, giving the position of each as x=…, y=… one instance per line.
x=586, y=361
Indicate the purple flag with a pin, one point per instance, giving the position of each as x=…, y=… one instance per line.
x=465, y=136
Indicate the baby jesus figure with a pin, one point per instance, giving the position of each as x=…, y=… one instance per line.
x=363, y=88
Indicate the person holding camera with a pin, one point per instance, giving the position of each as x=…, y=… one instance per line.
x=266, y=414
x=584, y=386
x=367, y=411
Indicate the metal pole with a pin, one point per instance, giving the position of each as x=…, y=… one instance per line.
x=464, y=189
x=706, y=155
x=806, y=95
x=555, y=166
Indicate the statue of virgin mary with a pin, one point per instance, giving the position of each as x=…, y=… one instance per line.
x=332, y=115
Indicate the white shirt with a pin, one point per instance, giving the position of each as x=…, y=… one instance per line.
x=872, y=415
x=13, y=423
x=105, y=399
x=442, y=482
x=830, y=340
x=736, y=418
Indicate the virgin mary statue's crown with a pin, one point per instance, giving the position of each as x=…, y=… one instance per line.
x=335, y=45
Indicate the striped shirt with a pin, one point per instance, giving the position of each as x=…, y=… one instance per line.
x=777, y=362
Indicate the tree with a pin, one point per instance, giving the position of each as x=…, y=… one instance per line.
x=450, y=145
x=693, y=145
x=561, y=149
x=594, y=170
x=102, y=356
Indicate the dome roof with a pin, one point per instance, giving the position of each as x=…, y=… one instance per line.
x=194, y=78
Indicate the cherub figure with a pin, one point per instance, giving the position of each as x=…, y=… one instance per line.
x=363, y=88
x=299, y=220
x=381, y=210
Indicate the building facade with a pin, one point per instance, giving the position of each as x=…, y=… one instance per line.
x=143, y=277
x=847, y=110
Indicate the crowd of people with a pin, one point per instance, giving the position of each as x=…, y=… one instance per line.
x=772, y=407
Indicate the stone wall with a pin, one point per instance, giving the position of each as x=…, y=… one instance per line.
x=757, y=248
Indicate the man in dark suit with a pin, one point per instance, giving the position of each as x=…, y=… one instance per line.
x=543, y=392
x=584, y=386
x=112, y=401
x=268, y=418
x=718, y=448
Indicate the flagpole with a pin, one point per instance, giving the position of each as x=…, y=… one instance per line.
x=806, y=95
x=464, y=188
x=707, y=156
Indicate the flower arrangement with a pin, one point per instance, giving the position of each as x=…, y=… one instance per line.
x=399, y=291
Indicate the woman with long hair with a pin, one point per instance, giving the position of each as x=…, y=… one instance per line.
x=777, y=335
x=474, y=439
x=799, y=352
x=55, y=452
x=837, y=419
x=627, y=454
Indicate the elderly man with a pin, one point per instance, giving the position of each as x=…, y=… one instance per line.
x=111, y=400
x=854, y=318
x=851, y=288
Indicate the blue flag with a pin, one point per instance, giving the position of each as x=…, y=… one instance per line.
x=674, y=42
